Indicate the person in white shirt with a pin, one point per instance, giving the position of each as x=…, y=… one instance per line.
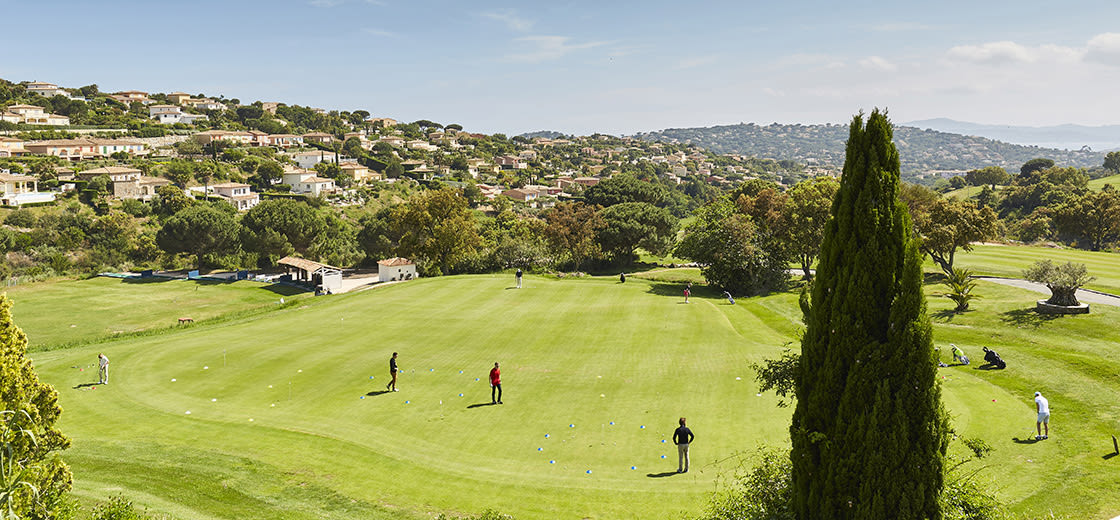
x=102, y=369
x=1043, y=415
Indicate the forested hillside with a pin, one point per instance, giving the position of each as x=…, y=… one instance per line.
x=921, y=150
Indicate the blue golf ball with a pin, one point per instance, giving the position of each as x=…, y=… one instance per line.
x=552, y=462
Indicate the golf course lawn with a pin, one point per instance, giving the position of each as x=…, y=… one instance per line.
x=288, y=418
x=69, y=311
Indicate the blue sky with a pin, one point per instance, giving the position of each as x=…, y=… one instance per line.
x=582, y=67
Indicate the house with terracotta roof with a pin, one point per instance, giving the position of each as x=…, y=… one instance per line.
x=237, y=194
x=385, y=122
x=204, y=104
x=178, y=97
x=507, y=162
x=522, y=194
x=395, y=269
x=318, y=137
x=285, y=140
x=72, y=149
x=21, y=189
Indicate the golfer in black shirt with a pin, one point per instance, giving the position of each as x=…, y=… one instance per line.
x=392, y=386
x=682, y=437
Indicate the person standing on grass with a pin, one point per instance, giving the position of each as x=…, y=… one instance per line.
x=392, y=386
x=518, y=275
x=687, y=291
x=1043, y=407
x=682, y=437
x=102, y=369
x=495, y=384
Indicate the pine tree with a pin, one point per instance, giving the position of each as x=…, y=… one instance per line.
x=869, y=433
x=30, y=405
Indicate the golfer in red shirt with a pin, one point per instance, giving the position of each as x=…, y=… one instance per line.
x=495, y=384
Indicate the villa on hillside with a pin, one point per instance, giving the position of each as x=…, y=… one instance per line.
x=171, y=114
x=34, y=115
x=11, y=147
x=318, y=137
x=232, y=136
x=127, y=183
x=76, y=149
x=310, y=158
x=359, y=173
x=237, y=194
x=178, y=97
x=21, y=189
x=394, y=269
x=307, y=182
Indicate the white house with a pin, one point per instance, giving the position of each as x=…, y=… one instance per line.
x=21, y=189
x=45, y=89
x=395, y=269
x=171, y=114
x=310, y=158
x=237, y=194
x=304, y=181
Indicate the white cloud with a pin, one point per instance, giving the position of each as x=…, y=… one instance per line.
x=877, y=63
x=1008, y=52
x=378, y=32
x=1104, y=48
x=546, y=48
x=511, y=19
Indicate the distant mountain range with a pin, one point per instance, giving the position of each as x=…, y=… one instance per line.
x=922, y=151
x=1069, y=137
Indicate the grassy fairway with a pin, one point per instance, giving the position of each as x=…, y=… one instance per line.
x=55, y=313
x=1010, y=261
x=577, y=352
x=286, y=422
x=1098, y=184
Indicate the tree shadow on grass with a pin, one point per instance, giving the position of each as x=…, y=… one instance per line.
x=944, y=315
x=479, y=405
x=663, y=474
x=1026, y=318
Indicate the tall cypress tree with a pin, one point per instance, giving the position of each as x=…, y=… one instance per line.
x=869, y=433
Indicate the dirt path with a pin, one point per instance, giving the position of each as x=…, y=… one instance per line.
x=1084, y=296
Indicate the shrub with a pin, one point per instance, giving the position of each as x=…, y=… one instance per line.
x=21, y=218
x=960, y=286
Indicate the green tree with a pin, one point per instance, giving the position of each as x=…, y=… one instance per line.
x=1112, y=161
x=179, y=171
x=869, y=433
x=957, y=182
x=734, y=255
x=33, y=478
x=1063, y=280
x=951, y=224
x=805, y=213
x=278, y=227
x=1093, y=218
x=570, y=231
x=170, y=200
x=631, y=225
x=436, y=226
x=989, y=176
x=1035, y=165
x=624, y=188
x=199, y=230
